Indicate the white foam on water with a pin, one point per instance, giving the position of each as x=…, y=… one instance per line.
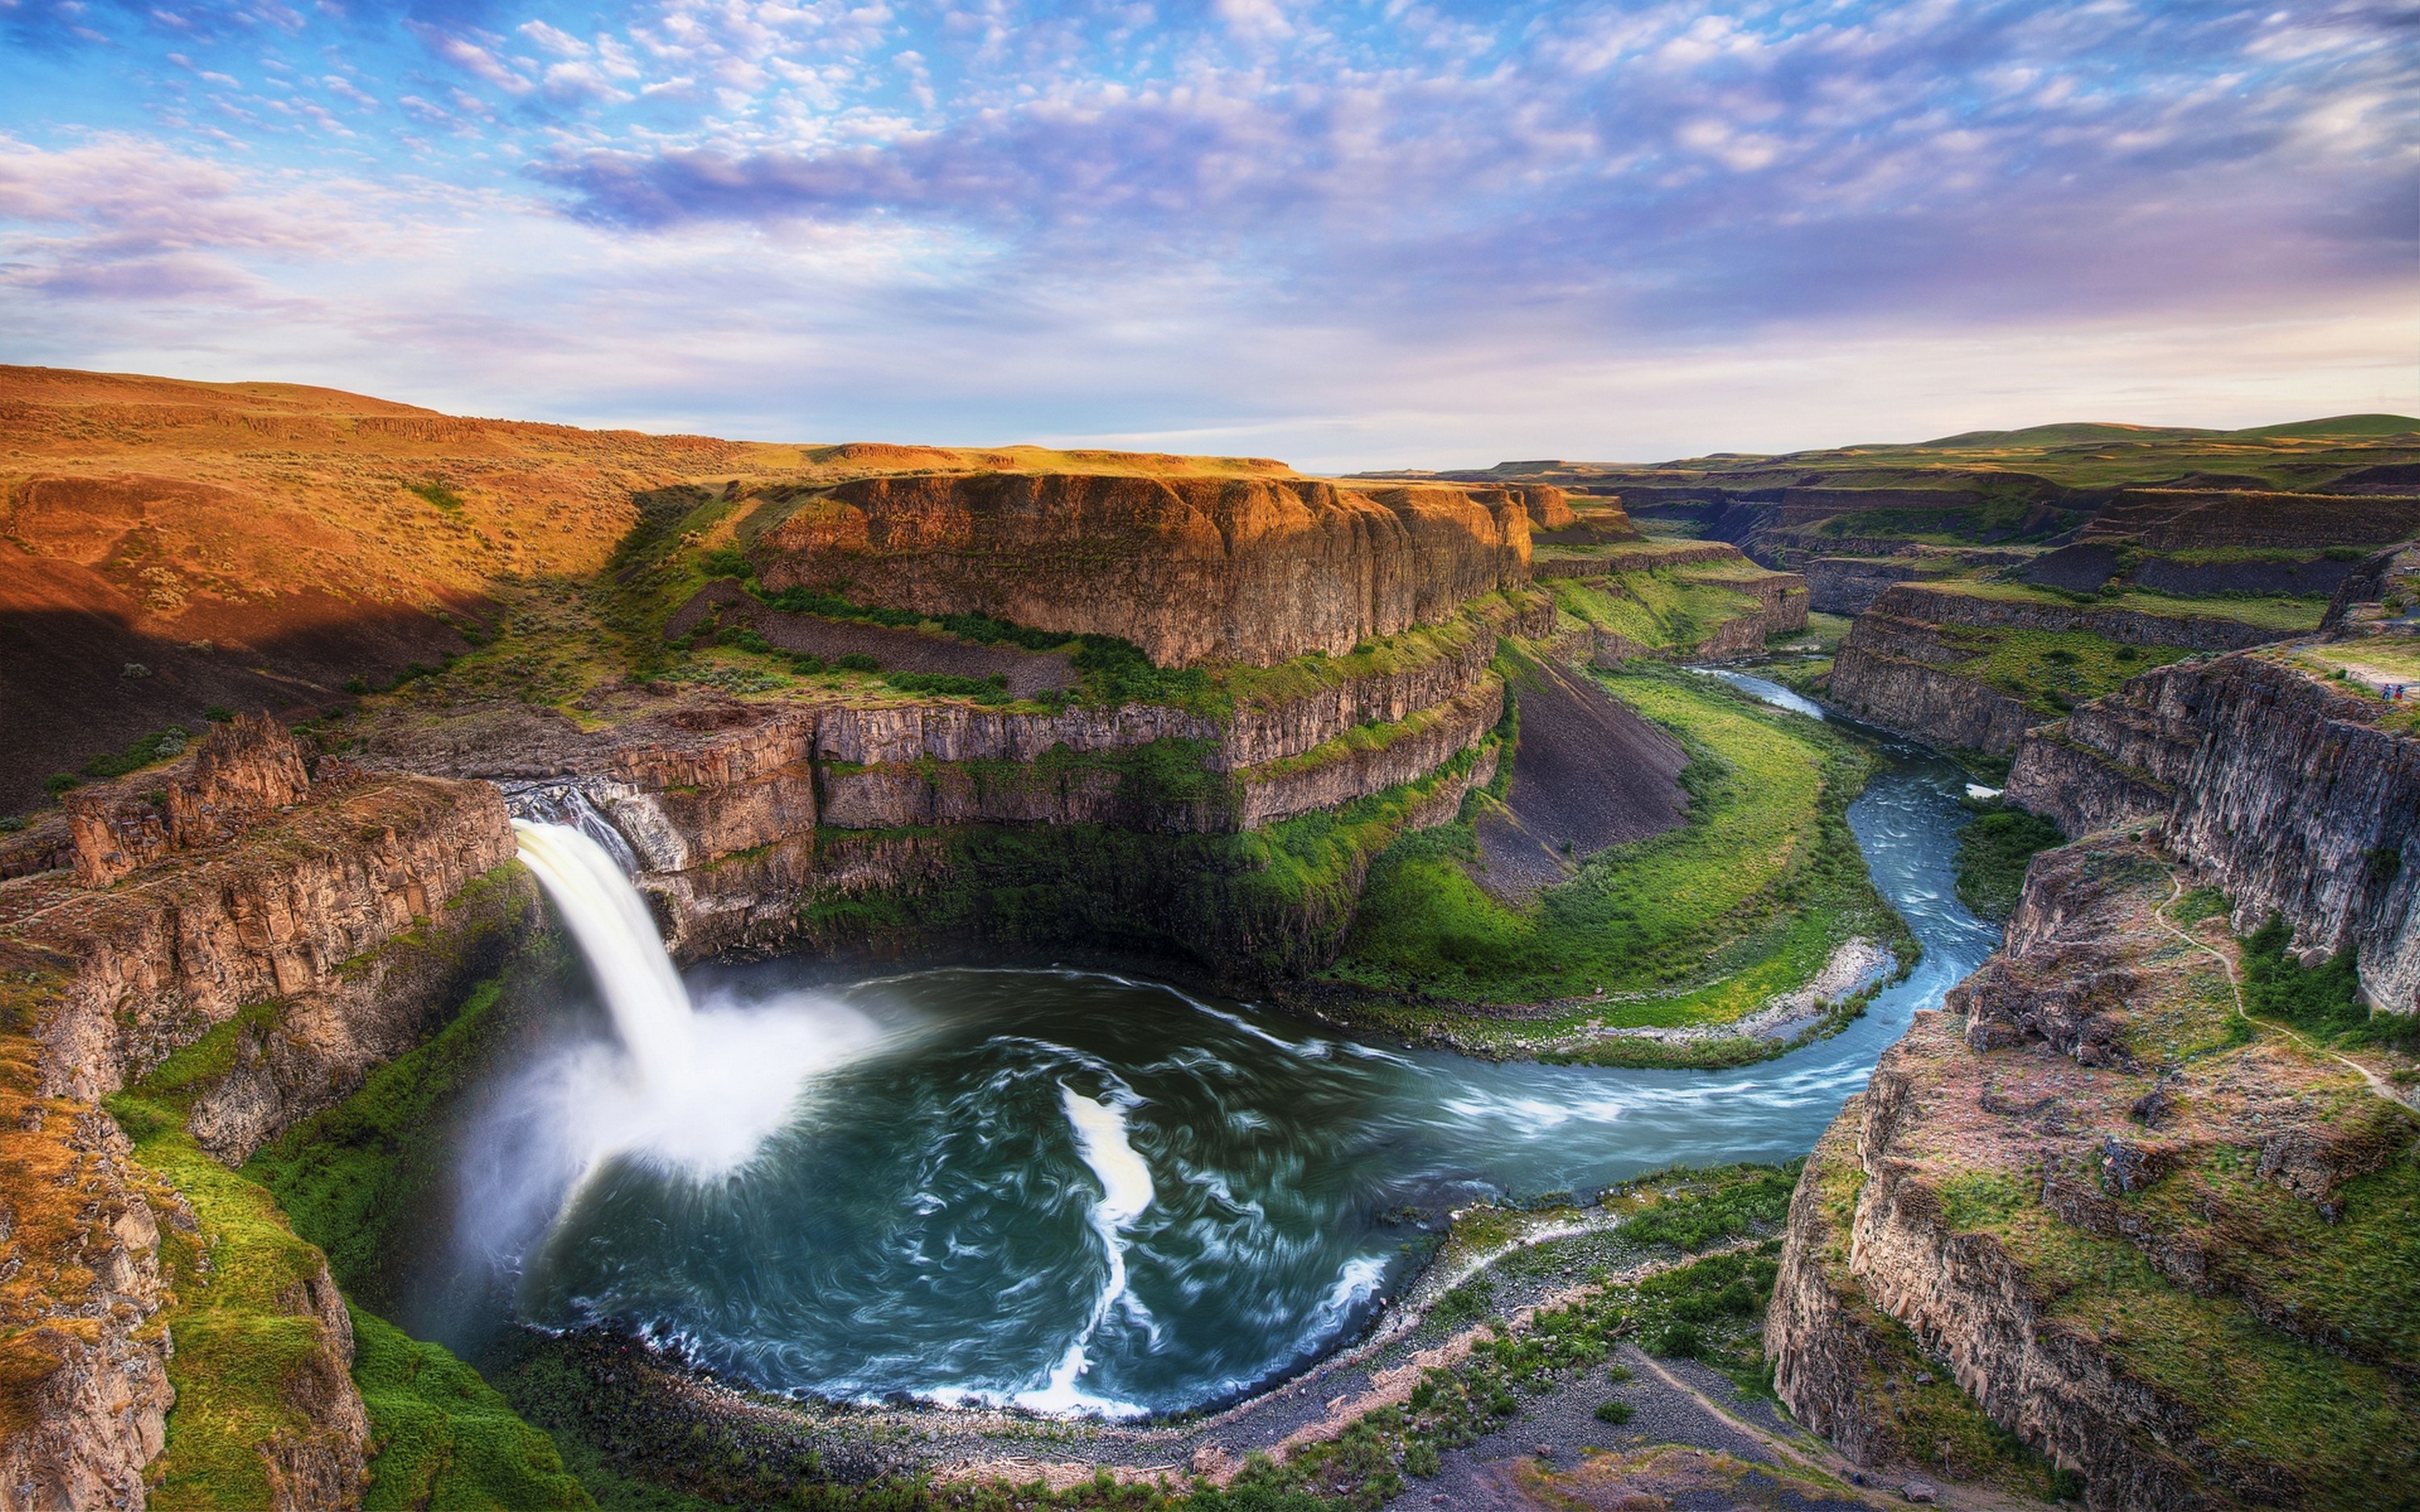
x=1101, y=1140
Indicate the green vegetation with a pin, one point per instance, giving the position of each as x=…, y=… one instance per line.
x=1702, y=924
x=2323, y=1000
x=438, y=494
x=444, y=1437
x=146, y=750
x=248, y=1347
x=250, y=1291
x=1661, y=609
x=1254, y=905
x=347, y=1178
x=2051, y=671
x=2266, y=1401
x=1994, y=850
x=2282, y=613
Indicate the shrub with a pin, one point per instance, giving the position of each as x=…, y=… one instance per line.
x=1421, y=1459
x=61, y=781
x=357, y=686
x=726, y=561
x=1679, y=1340
x=219, y=714
x=856, y=661
x=806, y=664
x=992, y=689
x=438, y=494
x=10, y=824
x=1992, y=853
x=1614, y=1410
x=2325, y=998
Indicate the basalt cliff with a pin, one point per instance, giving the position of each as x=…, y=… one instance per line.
x=323, y=923
x=1190, y=569
x=2154, y=1231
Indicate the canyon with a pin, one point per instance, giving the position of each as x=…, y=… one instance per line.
x=1210, y=719
x=2092, y=1174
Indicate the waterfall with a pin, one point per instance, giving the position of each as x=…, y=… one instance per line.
x=616, y=935
x=563, y=803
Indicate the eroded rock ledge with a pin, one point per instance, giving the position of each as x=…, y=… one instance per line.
x=1247, y=569
x=1900, y=665
x=2127, y=1225
x=337, y=921
x=2288, y=791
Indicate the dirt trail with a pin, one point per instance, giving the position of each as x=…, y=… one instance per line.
x=2377, y=1083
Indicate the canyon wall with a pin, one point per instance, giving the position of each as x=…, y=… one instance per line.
x=333, y=924
x=2128, y=1231
x=2298, y=796
x=1899, y=666
x=1191, y=569
x=1850, y=585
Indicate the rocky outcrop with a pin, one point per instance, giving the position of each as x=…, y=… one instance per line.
x=295, y=913
x=2289, y=790
x=1850, y=585
x=1371, y=759
x=330, y=925
x=244, y=773
x=2081, y=790
x=84, y=1383
x=1923, y=605
x=1901, y=667
x=2073, y=1188
x=1782, y=608
x=2174, y=519
x=2363, y=597
x=1901, y=693
x=1191, y=569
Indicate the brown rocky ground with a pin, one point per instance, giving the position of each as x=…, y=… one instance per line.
x=2165, y=1243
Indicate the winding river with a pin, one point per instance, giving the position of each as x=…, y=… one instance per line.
x=1078, y=1192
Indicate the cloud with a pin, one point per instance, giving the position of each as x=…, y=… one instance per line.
x=1309, y=225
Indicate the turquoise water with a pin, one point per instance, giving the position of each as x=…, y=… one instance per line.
x=1088, y=1192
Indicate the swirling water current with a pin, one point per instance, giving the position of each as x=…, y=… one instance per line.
x=1082, y=1192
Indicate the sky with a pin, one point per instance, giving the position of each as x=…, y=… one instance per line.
x=1378, y=232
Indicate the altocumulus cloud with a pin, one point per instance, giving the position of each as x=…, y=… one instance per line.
x=1227, y=218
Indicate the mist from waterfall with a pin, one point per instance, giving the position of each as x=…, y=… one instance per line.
x=691, y=1090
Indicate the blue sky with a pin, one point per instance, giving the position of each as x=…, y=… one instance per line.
x=1345, y=234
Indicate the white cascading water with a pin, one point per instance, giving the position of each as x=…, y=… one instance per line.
x=610, y=922
x=1101, y=1140
x=696, y=1091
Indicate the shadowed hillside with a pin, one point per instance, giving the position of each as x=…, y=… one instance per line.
x=169, y=548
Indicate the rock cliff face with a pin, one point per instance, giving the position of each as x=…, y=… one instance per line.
x=2288, y=791
x=1901, y=692
x=1850, y=585
x=338, y=920
x=1191, y=569
x=84, y=1394
x=1898, y=667
x=244, y=773
x=2115, y=1221
x=1921, y=605
x=2171, y=520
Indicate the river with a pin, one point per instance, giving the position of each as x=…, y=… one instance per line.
x=1081, y=1192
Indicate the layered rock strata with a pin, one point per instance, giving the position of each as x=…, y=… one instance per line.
x=2128, y=1230
x=2297, y=797
x=1850, y=585
x=337, y=921
x=1900, y=667
x=1191, y=569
